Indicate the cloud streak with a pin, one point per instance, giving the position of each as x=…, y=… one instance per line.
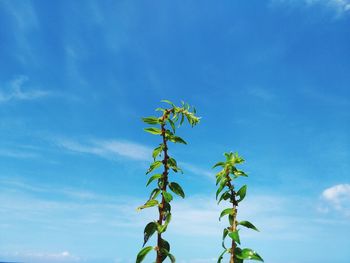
x=339, y=6
x=108, y=148
x=16, y=91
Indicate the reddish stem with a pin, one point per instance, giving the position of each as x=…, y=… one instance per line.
x=164, y=184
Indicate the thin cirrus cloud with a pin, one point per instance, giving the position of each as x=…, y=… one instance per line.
x=108, y=148
x=340, y=6
x=337, y=198
x=18, y=91
x=43, y=257
x=111, y=149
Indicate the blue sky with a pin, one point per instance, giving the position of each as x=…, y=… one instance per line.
x=270, y=80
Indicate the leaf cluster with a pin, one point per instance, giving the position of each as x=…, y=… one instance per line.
x=226, y=191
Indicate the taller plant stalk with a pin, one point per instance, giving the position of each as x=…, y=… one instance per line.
x=164, y=184
x=170, y=116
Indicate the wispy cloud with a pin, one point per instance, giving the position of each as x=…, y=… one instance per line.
x=17, y=91
x=42, y=257
x=337, y=198
x=198, y=170
x=262, y=94
x=108, y=148
x=339, y=6
x=18, y=154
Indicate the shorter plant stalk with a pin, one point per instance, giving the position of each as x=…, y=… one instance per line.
x=234, y=224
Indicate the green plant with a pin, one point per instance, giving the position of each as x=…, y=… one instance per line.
x=224, y=180
x=170, y=117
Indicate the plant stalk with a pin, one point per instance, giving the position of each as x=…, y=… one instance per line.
x=233, y=226
x=164, y=184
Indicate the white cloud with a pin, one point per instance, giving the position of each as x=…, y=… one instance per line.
x=340, y=6
x=42, y=257
x=198, y=171
x=337, y=198
x=18, y=154
x=262, y=94
x=16, y=91
x=108, y=148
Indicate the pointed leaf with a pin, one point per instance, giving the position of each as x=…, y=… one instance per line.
x=149, y=203
x=219, y=164
x=226, y=195
x=227, y=211
x=176, y=188
x=157, y=151
x=235, y=236
x=177, y=139
x=149, y=231
x=154, y=166
x=248, y=225
x=172, y=124
x=151, y=120
x=222, y=256
x=142, y=254
x=155, y=192
x=164, y=245
x=242, y=192
x=153, y=177
x=221, y=187
x=250, y=254
x=153, y=130
x=224, y=235
x=167, y=196
x=169, y=102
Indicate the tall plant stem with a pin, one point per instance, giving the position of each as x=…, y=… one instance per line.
x=164, y=184
x=233, y=226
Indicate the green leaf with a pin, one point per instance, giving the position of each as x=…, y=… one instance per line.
x=162, y=228
x=182, y=119
x=248, y=225
x=155, y=192
x=164, y=245
x=176, y=188
x=153, y=177
x=242, y=192
x=222, y=256
x=149, y=231
x=221, y=187
x=172, y=164
x=219, y=176
x=167, y=196
x=157, y=151
x=171, y=256
x=226, y=195
x=177, y=139
x=142, y=254
x=169, y=102
x=219, y=164
x=248, y=253
x=172, y=124
x=167, y=207
x=235, y=236
x=151, y=120
x=153, y=130
x=154, y=166
x=224, y=235
x=149, y=203
x=227, y=211
x=239, y=173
